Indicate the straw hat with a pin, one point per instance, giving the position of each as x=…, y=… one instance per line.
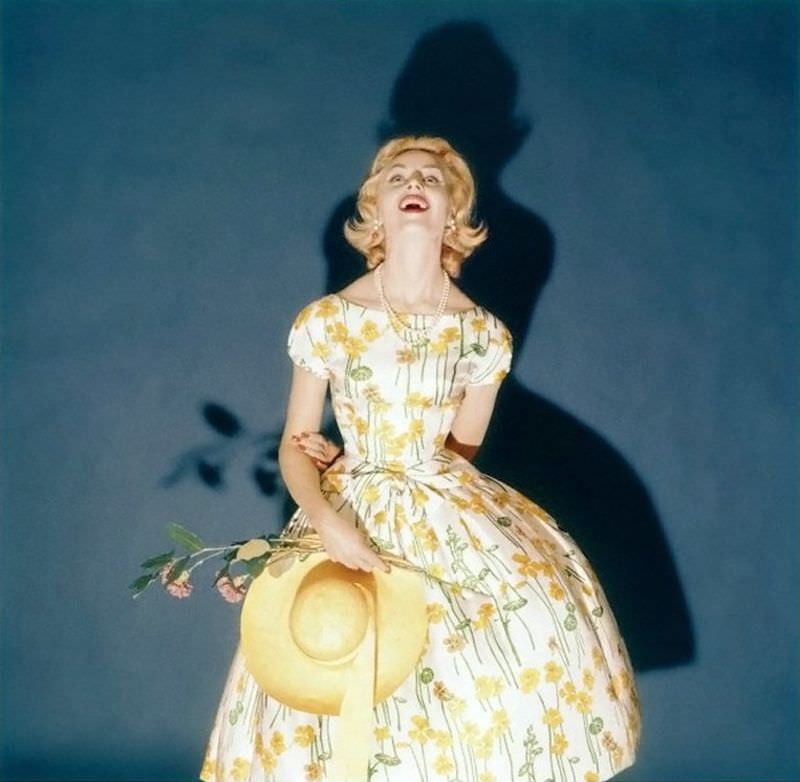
x=303, y=623
x=322, y=638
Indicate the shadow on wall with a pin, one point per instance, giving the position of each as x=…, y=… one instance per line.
x=459, y=84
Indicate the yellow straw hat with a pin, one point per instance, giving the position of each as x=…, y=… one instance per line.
x=325, y=639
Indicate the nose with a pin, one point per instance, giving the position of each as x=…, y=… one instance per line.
x=416, y=177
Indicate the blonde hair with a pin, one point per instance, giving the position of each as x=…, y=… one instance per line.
x=458, y=244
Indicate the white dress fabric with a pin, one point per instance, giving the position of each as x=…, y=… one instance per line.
x=524, y=675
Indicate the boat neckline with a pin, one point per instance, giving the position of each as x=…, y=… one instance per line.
x=412, y=314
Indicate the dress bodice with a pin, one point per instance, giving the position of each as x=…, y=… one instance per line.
x=395, y=403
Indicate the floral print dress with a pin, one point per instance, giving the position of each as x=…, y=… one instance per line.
x=524, y=675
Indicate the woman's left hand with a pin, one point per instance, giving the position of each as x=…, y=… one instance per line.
x=318, y=448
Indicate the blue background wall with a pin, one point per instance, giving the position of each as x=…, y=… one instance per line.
x=174, y=177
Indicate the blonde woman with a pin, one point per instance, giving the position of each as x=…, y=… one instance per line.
x=524, y=674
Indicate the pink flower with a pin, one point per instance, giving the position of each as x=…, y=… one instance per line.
x=232, y=590
x=181, y=587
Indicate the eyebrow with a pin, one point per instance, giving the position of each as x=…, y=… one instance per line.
x=401, y=165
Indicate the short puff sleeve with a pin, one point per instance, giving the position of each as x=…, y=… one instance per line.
x=307, y=343
x=494, y=363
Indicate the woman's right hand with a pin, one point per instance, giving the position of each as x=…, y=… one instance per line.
x=344, y=543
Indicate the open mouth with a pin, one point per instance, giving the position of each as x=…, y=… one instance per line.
x=414, y=203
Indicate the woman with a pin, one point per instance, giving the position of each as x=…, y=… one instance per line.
x=524, y=675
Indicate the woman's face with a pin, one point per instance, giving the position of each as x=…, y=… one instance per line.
x=412, y=195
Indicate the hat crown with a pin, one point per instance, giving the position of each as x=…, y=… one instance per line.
x=329, y=618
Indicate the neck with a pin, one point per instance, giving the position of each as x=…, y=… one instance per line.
x=412, y=276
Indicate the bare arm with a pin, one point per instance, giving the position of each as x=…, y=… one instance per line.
x=342, y=541
x=472, y=420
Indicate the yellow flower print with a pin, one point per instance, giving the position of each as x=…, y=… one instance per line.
x=313, y=772
x=419, y=496
x=371, y=494
x=406, y=356
x=362, y=427
x=529, y=680
x=556, y=591
x=382, y=732
x=354, y=347
x=416, y=428
x=559, y=744
x=569, y=693
x=470, y=733
x=439, y=441
x=484, y=745
x=477, y=503
x=332, y=483
x=436, y=612
x=426, y=535
x=500, y=722
x=320, y=350
x=485, y=613
x=591, y=776
x=479, y=325
x=443, y=739
x=240, y=769
x=379, y=518
x=415, y=399
x=583, y=702
x=454, y=643
x=303, y=316
x=338, y=331
x=208, y=768
x=436, y=570
x=499, y=375
x=441, y=692
x=277, y=743
x=488, y=686
x=399, y=518
x=369, y=331
x=588, y=679
x=421, y=731
x=443, y=765
x=438, y=347
x=304, y=735
x=552, y=717
x=552, y=671
x=526, y=566
x=456, y=706
x=326, y=308
x=487, y=776
x=450, y=334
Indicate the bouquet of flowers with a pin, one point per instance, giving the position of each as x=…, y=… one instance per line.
x=240, y=562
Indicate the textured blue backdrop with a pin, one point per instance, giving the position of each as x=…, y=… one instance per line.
x=174, y=178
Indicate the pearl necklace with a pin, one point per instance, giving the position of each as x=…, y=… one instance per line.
x=416, y=336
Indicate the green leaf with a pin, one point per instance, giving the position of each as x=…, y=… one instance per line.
x=256, y=565
x=595, y=726
x=479, y=349
x=387, y=760
x=156, y=562
x=140, y=584
x=426, y=675
x=570, y=622
x=360, y=373
x=503, y=521
x=184, y=537
x=515, y=605
x=462, y=625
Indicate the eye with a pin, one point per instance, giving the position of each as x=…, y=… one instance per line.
x=395, y=178
x=432, y=179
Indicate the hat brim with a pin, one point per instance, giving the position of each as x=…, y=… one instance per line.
x=288, y=674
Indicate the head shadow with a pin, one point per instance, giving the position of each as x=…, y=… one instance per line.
x=458, y=83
